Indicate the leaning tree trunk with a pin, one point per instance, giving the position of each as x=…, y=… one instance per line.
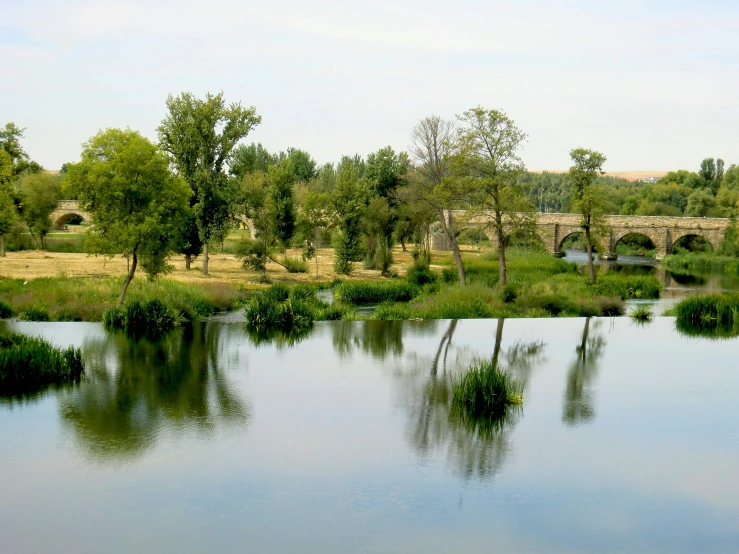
x=188, y=261
x=205, y=259
x=589, y=244
x=498, y=340
x=449, y=231
x=2, y=246
x=500, y=235
x=128, y=280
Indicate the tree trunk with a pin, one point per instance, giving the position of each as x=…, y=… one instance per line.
x=402, y=243
x=454, y=245
x=2, y=246
x=589, y=245
x=205, y=259
x=128, y=280
x=498, y=340
x=499, y=232
x=584, y=343
x=188, y=261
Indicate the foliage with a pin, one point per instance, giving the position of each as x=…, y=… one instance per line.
x=253, y=254
x=641, y=313
x=357, y=292
x=280, y=178
x=6, y=310
x=710, y=315
x=701, y=263
x=10, y=143
x=150, y=319
x=628, y=286
x=40, y=196
x=28, y=364
x=8, y=211
x=294, y=265
x=348, y=201
x=485, y=390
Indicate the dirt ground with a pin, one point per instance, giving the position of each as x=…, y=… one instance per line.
x=223, y=267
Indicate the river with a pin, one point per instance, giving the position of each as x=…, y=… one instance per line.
x=344, y=441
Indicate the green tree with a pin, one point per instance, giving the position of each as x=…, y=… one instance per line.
x=301, y=164
x=315, y=214
x=250, y=158
x=433, y=142
x=700, y=202
x=281, y=179
x=136, y=204
x=10, y=141
x=489, y=142
x=8, y=212
x=588, y=196
x=200, y=136
x=40, y=196
x=348, y=201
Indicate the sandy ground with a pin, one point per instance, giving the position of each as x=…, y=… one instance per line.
x=223, y=267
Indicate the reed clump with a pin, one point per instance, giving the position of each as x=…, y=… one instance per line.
x=641, y=314
x=485, y=390
x=369, y=292
x=150, y=319
x=27, y=364
x=709, y=315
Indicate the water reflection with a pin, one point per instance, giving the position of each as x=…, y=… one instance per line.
x=136, y=390
x=381, y=339
x=579, y=399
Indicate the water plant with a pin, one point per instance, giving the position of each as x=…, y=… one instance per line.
x=358, y=292
x=27, y=364
x=641, y=314
x=150, y=319
x=709, y=315
x=485, y=390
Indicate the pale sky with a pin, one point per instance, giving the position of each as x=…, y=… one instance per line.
x=652, y=84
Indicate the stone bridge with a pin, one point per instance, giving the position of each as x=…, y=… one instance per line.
x=664, y=232
x=65, y=211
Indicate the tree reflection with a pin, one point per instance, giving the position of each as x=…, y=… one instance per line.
x=381, y=339
x=578, y=402
x=136, y=389
x=475, y=449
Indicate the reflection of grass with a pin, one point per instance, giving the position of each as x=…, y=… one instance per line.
x=28, y=364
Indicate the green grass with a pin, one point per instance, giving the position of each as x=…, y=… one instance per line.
x=86, y=298
x=359, y=292
x=485, y=390
x=641, y=314
x=701, y=263
x=6, y=310
x=711, y=315
x=28, y=364
x=150, y=319
x=628, y=287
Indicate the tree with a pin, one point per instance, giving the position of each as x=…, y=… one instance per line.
x=200, y=136
x=348, y=201
x=136, y=204
x=281, y=179
x=8, y=212
x=433, y=142
x=588, y=196
x=251, y=158
x=700, y=202
x=315, y=214
x=301, y=164
x=488, y=152
x=40, y=196
x=10, y=141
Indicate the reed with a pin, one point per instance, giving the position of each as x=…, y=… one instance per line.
x=709, y=315
x=485, y=390
x=150, y=319
x=27, y=364
x=641, y=314
x=358, y=292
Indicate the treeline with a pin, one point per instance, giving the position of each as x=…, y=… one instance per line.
x=712, y=191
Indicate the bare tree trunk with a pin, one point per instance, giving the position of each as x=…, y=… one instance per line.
x=589, y=244
x=2, y=246
x=499, y=233
x=205, y=259
x=402, y=243
x=498, y=340
x=188, y=261
x=449, y=231
x=128, y=280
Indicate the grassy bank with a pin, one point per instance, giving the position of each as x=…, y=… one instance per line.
x=85, y=298
x=701, y=263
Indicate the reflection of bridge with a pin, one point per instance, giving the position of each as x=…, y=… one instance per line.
x=65, y=211
x=664, y=232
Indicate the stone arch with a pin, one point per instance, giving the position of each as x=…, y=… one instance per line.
x=567, y=233
x=62, y=219
x=708, y=237
x=619, y=236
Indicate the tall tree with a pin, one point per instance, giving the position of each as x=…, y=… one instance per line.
x=433, y=142
x=250, y=158
x=10, y=141
x=136, y=204
x=348, y=201
x=8, y=212
x=489, y=142
x=40, y=196
x=281, y=179
x=200, y=136
x=588, y=196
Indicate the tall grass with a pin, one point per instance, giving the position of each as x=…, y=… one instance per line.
x=710, y=315
x=357, y=292
x=27, y=364
x=628, y=286
x=6, y=310
x=641, y=314
x=701, y=263
x=485, y=390
x=150, y=319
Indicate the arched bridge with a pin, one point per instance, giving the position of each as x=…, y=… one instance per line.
x=65, y=210
x=664, y=232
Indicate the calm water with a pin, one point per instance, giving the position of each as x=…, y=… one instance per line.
x=344, y=442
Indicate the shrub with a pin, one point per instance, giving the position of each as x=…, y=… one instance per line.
x=610, y=307
x=149, y=319
x=419, y=277
x=252, y=253
x=27, y=364
x=508, y=294
x=295, y=265
x=367, y=293
x=6, y=310
x=485, y=390
x=36, y=314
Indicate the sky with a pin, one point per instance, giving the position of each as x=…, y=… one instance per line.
x=651, y=84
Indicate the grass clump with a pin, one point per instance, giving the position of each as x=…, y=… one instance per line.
x=709, y=315
x=6, y=310
x=369, y=293
x=641, y=314
x=485, y=390
x=27, y=364
x=150, y=319
x=701, y=263
x=628, y=287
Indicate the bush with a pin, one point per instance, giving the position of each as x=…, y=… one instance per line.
x=420, y=277
x=295, y=265
x=36, y=314
x=28, y=364
x=6, y=310
x=150, y=319
x=368, y=293
x=252, y=253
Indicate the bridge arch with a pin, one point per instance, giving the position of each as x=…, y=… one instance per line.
x=682, y=238
x=619, y=238
x=63, y=219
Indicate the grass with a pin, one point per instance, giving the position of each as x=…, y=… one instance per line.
x=85, y=299
x=710, y=315
x=485, y=391
x=641, y=314
x=370, y=293
x=150, y=319
x=701, y=263
x=28, y=364
x=6, y=310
